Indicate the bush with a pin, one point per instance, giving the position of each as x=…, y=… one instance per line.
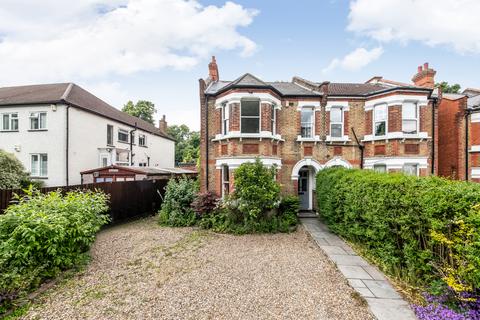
x=44, y=234
x=205, y=203
x=12, y=172
x=419, y=229
x=176, y=208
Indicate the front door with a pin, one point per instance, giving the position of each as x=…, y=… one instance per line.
x=303, y=190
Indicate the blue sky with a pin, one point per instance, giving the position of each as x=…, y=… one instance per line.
x=157, y=50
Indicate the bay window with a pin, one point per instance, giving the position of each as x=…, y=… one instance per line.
x=336, y=122
x=380, y=119
x=410, y=169
x=9, y=122
x=250, y=116
x=380, y=168
x=225, y=181
x=38, y=120
x=274, y=120
x=39, y=165
x=409, y=118
x=225, y=119
x=307, y=123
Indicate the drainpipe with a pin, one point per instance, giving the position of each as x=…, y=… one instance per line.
x=67, y=144
x=434, y=105
x=131, y=145
x=206, y=142
x=360, y=146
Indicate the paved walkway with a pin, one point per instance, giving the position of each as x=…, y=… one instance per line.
x=384, y=302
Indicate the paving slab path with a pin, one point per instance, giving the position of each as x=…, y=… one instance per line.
x=140, y=270
x=383, y=300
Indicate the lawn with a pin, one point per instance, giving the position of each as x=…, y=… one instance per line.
x=140, y=270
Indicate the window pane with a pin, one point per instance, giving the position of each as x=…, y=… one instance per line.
x=14, y=124
x=226, y=112
x=410, y=169
x=307, y=131
x=250, y=108
x=250, y=125
x=336, y=115
x=307, y=115
x=43, y=165
x=6, y=122
x=336, y=130
x=109, y=134
x=380, y=112
x=34, y=165
x=226, y=174
x=409, y=126
x=43, y=120
x=34, y=123
x=409, y=110
x=381, y=168
x=380, y=128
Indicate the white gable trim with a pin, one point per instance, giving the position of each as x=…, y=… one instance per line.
x=236, y=97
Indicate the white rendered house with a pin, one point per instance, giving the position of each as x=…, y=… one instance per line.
x=60, y=130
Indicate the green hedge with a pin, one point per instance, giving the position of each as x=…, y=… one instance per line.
x=419, y=229
x=44, y=234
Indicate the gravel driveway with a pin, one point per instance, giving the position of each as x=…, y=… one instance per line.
x=140, y=270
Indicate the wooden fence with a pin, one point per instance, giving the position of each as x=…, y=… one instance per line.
x=127, y=199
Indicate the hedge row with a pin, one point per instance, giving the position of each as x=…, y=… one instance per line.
x=419, y=229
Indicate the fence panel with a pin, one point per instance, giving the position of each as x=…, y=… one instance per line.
x=127, y=199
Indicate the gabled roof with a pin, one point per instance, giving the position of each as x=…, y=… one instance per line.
x=248, y=80
x=74, y=95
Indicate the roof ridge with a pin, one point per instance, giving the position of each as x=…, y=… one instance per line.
x=67, y=91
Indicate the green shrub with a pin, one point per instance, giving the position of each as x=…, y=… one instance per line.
x=44, y=234
x=12, y=172
x=205, y=203
x=419, y=229
x=176, y=208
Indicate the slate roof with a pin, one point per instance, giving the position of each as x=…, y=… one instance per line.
x=72, y=94
x=294, y=89
x=473, y=101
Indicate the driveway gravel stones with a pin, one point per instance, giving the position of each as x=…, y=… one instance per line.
x=140, y=270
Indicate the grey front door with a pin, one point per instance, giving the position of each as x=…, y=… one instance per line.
x=303, y=190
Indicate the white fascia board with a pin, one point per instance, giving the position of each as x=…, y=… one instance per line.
x=395, y=100
x=475, y=148
x=396, y=162
x=475, y=117
x=344, y=138
x=475, y=172
x=238, y=135
x=314, y=139
x=302, y=104
x=236, y=97
x=235, y=162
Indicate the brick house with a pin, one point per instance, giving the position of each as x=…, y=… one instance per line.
x=304, y=126
x=459, y=135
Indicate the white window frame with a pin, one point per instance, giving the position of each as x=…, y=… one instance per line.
x=225, y=183
x=312, y=122
x=37, y=115
x=12, y=116
x=109, y=126
x=144, y=144
x=375, y=108
x=383, y=165
x=225, y=118
x=341, y=123
x=416, y=119
x=274, y=120
x=417, y=173
x=37, y=172
x=126, y=132
x=252, y=117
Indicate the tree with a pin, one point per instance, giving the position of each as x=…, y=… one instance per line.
x=446, y=88
x=142, y=109
x=187, y=147
x=12, y=172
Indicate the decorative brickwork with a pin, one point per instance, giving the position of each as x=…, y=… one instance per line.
x=274, y=149
x=379, y=150
x=307, y=151
x=224, y=150
x=250, y=148
x=337, y=151
x=411, y=148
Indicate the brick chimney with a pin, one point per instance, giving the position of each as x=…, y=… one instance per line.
x=162, y=124
x=213, y=70
x=425, y=76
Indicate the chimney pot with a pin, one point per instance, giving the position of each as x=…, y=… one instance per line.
x=425, y=77
x=419, y=69
x=425, y=66
x=213, y=70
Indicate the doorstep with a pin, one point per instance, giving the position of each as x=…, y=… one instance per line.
x=383, y=300
x=307, y=214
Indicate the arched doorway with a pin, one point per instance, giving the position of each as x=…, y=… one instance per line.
x=304, y=173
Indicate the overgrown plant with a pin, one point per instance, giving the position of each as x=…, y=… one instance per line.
x=176, y=208
x=44, y=234
x=205, y=203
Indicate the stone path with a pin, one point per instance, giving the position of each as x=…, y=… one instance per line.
x=384, y=302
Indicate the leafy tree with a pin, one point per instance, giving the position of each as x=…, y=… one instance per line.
x=143, y=109
x=187, y=148
x=12, y=172
x=446, y=88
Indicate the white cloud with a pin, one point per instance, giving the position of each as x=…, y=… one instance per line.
x=55, y=40
x=452, y=23
x=355, y=60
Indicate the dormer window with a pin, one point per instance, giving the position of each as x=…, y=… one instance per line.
x=307, y=124
x=225, y=118
x=336, y=122
x=250, y=116
x=380, y=119
x=409, y=118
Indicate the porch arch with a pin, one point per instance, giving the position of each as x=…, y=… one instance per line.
x=305, y=162
x=338, y=162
